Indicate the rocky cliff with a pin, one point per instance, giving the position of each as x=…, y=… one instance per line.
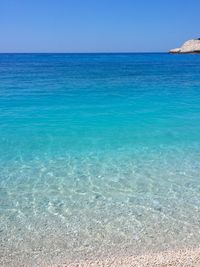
x=191, y=46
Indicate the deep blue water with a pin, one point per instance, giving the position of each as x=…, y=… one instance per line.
x=98, y=153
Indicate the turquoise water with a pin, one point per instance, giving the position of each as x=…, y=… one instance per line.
x=99, y=154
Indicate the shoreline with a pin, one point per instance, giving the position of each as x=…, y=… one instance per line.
x=172, y=258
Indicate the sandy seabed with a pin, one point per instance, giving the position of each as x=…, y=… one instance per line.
x=181, y=258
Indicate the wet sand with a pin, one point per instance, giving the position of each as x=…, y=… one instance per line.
x=182, y=258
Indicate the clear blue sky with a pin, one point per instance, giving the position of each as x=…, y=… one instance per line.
x=97, y=25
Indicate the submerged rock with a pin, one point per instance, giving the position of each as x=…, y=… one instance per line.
x=189, y=47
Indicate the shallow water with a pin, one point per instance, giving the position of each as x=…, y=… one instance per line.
x=99, y=154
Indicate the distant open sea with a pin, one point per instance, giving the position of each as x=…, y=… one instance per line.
x=99, y=155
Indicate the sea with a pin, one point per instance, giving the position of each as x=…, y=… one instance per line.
x=99, y=155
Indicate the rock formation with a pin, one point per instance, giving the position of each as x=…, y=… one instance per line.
x=189, y=47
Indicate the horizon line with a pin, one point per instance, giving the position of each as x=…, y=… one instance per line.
x=100, y=52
